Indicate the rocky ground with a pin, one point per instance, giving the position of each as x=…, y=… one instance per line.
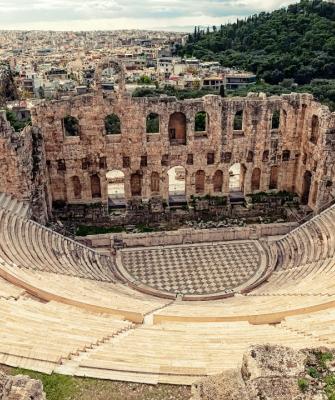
x=274, y=373
x=58, y=387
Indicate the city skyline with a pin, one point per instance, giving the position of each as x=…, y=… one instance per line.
x=175, y=15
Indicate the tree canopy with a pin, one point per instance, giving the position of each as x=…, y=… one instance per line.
x=295, y=42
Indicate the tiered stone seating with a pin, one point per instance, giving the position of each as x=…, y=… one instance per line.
x=39, y=336
x=310, y=242
x=107, y=297
x=13, y=205
x=82, y=301
x=318, y=326
x=255, y=309
x=30, y=245
x=9, y=291
x=178, y=353
x=316, y=278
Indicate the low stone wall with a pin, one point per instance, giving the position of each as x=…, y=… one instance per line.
x=189, y=236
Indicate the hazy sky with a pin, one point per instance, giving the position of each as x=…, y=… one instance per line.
x=123, y=14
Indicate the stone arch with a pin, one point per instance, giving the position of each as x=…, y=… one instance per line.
x=58, y=188
x=177, y=128
x=112, y=124
x=236, y=177
x=284, y=119
x=265, y=156
x=250, y=156
x=275, y=120
x=315, y=129
x=200, y=182
x=315, y=193
x=306, y=187
x=273, y=178
x=152, y=123
x=71, y=126
x=256, y=179
x=117, y=66
x=155, y=182
x=136, y=184
x=76, y=187
x=95, y=186
x=218, y=181
x=201, y=121
x=177, y=181
x=238, y=121
x=286, y=155
x=115, y=185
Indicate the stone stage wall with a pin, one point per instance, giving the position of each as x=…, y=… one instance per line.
x=296, y=156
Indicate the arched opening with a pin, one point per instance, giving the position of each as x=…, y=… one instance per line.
x=58, y=189
x=306, y=187
x=95, y=186
x=112, y=125
x=177, y=184
x=265, y=157
x=115, y=188
x=250, y=157
x=315, y=193
x=177, y=128
x=76, y=187
x=315, y=129
x=256, y=179
x=286, y=155
x=273, y=178
x=275, y=120
x=201, y=122
x=152, y=123
x=236, y=177
x=155, y=182
x=218, y=181
x=71, y=126
x=238, y=121
x=200, y=182
x=136, y=184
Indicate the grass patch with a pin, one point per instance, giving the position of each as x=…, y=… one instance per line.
x=313, y=372
x=56, y=387
x=303, y=384
x=323, y=358
x=60, y=387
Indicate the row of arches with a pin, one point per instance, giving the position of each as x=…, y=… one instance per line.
x=176, y=127
x=177, y=183
x=238, y=122
x=95, y=187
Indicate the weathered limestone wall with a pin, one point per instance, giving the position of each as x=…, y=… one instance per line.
x=22, y=166
x=296, y=155
x=134, y=152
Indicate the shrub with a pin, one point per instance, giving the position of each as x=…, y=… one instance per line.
x=303, y=384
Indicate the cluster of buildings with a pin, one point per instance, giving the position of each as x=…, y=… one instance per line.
x=55, y=64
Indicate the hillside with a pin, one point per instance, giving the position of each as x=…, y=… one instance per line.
x=296, y=42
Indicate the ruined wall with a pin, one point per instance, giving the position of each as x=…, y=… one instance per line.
x=281, y=154
x=22, y=166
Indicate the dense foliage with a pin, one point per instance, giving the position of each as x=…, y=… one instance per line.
x=168, y=90
x=322, y=89
x=295, y=42
x=15, y=122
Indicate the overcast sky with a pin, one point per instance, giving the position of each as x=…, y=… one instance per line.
x=126, y=14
